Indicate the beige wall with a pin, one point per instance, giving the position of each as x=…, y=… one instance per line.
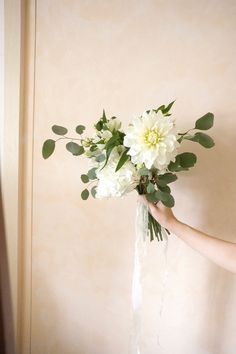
x=125, y=57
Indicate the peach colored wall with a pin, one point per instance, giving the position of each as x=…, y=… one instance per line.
x=126, y=56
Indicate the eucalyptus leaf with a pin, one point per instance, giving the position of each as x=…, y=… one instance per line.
x=166, y=179
x=152, y=197
x=143, y=171
x=202, y=138
x=80, y=129
x=94, y=191
x=48, y=148
x=85, y=194
x=74, y=148
x=84, y=178
x=92, y=173
x=175, y=166
x=170, y=202
x=150, y=188
x=59, y=130
x=100, y=158
x=205, y=122
x=165, y=189
x=162, y=195
x=187, y=159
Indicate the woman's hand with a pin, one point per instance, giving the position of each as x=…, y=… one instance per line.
x=161, y=213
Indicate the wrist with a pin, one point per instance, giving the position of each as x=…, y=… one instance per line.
x=173, y=225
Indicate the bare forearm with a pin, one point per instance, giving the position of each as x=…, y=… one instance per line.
x=221, y=252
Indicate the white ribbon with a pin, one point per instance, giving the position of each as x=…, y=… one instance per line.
x=141, y=231
x=141, y=239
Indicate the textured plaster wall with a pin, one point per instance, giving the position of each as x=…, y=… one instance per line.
x=126, y=56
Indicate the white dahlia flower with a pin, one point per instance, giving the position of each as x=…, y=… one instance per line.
x=116, y=184
x=152, y=140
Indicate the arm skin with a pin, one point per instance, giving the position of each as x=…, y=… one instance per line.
x=218, y=251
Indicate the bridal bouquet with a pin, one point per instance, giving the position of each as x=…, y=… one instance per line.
x=143, y=157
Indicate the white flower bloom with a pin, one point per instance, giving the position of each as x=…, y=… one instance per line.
x=106, y=135
x=152, y=140
x=113, y=124
x=116, y=184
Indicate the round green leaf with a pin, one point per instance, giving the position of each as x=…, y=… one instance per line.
x=167, y=178
x=48, y=148
x=204, y=140
x=57, y=129
x=152, y=197
x=100, y=158
x=205, y=122
x=187, y=159
x=143, y=171
x=84, y=178
x=94, y=191
x=150, y=188
x=162, y=195
x=80, y=129
x=165, y=189
x=74, y=148
x=85, y=194
x=169, y=202
x=92, y=173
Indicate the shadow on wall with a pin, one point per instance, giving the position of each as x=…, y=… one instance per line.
x=7, y=345
x=215, y=190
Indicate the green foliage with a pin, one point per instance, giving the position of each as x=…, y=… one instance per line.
x=150, y=188
x=104, y=118
x=80, y=129
x=48, y=148
x=205, y=122
x=183, y=162
x=85, y=194
x=100, y=158
x=187, y=159
x=169, y=202
x=164, y=109
x=92, y=173
x=165, y=189
x=162, y=195
x=165, y=179
x=123, y=159
x=201, y=138
x=116, y=140
x=75, y=148
x=143, y=171
x=84, y=178
x=59, y=130
x=99, y=125
x=94, y=191
x=152, y=197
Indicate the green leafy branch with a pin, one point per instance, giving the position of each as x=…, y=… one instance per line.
x=204, y=123
x=74, y=148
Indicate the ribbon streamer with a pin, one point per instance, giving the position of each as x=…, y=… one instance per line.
x=141, y=239
x=141, y=234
